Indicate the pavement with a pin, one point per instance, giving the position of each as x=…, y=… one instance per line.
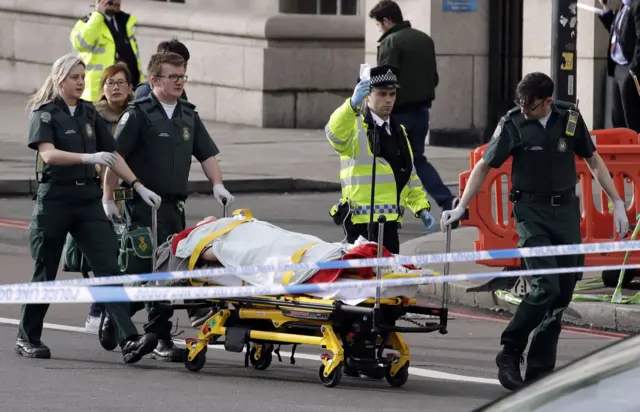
x=455, y=372
x=252, y=159
x=603, y=315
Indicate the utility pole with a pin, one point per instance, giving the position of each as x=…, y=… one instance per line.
x=564, y=38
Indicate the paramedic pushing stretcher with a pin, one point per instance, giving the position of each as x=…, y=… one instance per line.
x=357, y=132
x=158, y=135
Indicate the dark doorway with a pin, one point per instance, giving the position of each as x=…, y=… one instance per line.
x=505, y=58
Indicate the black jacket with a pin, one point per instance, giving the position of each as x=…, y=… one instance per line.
x=629, y=36
x=413, y=52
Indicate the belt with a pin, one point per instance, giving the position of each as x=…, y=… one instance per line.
x=553, y=199
x=73, y=182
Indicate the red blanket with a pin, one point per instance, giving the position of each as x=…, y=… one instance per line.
x=365, y=251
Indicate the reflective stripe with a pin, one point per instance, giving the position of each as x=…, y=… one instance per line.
x=378, y=209
x=331, y=136
x=367, y=180
x=85, y=45
x=99, y=67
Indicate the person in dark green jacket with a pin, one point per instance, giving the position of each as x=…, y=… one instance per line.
x=413, y=52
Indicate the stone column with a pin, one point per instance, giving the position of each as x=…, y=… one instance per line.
x=459, y=112
x=592, y=43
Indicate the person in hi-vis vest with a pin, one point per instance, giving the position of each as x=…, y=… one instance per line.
x=103, y=38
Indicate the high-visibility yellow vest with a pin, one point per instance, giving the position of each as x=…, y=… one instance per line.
x=95, y=45
x=347, y=134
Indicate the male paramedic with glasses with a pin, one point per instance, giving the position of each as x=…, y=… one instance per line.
x=157, y=136
x=543, y=136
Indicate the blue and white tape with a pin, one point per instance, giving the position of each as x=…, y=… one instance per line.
x=36, y=293
x=584, y=248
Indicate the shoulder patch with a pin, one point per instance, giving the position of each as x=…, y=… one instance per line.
x=86, y=18
x=498, y=131
x=45, y=117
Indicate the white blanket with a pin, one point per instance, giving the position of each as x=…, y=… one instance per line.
x=260, y=243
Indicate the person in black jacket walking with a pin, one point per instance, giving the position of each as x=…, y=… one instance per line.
x=413, y=52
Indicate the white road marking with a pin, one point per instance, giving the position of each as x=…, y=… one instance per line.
x=425, y=373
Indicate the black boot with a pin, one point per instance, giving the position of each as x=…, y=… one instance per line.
x=508, y=362
x=107, y=332
x=166, y=351
x=32, y=349
x=134, y=348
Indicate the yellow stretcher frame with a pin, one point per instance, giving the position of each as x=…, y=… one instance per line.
x=321, y=316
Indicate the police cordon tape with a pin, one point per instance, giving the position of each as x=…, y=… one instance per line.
x=15, y=294
x=453, y=257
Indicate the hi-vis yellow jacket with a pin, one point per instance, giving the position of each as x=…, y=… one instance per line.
x=95, y=45
x=347, y=133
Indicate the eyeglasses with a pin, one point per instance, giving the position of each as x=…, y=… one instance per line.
x=531, y=107
x=120, y=83
x=175, y=77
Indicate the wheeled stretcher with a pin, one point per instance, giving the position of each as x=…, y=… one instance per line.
x=361, y=334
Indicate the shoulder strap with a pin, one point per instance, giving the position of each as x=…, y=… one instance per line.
x=188, y=113
x=145, y=106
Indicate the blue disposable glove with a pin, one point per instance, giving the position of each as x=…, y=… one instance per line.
x=361, y=91
x=428, y=220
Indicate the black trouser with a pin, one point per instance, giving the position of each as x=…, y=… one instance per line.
x=625, y=100
x=540, y=224
x=171, y=220
x=390, y=240
x=63, y=209
x=416, y=122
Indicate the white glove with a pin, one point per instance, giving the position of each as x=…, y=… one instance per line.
x=149, y=197
x=450, y=216
x=219, y=192
x=110, y=209
x=620, y=218
x=100, y=158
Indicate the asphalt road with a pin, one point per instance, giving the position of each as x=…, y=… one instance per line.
x=453, y=372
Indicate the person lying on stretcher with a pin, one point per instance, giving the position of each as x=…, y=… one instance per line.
x=242, y=241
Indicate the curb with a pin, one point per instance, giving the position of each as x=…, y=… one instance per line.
x=617, y=317
x=25, y=187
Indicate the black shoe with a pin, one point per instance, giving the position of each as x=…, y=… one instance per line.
x=508, y=362
x=32, y=350
x=135, y=348
x=166, y=351
x=107, y=332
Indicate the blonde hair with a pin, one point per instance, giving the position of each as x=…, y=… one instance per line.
x=59, y=71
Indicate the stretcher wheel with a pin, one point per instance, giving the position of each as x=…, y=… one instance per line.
x=401, y=377
x=333, y=379
x=197, y=363
x=263, y=362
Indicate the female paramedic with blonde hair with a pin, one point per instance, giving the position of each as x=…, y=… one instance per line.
x=71, y=139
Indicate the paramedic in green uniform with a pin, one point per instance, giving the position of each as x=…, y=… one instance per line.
x=543, y=136
x=158, y=135
x=71, y=139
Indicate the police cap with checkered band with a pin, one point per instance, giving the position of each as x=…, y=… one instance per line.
x=385, y=76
